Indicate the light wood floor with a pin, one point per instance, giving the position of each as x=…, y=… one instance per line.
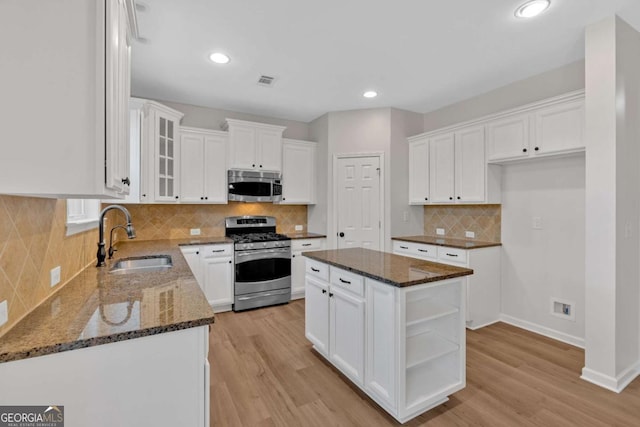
x=264, y=373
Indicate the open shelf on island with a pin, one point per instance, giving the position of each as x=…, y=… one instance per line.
x=426, y=347
x=425, y=309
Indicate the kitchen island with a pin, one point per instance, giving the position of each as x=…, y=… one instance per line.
x=393, y=325
x=116, y=349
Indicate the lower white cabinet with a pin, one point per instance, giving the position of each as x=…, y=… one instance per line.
x=159, y=380
x=483, y=287
x=212, y=266
x=404, y=347
x=298, y=246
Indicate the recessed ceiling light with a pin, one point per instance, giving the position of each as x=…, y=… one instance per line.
x=370, y=94
x=532, y=8
x=219, y=58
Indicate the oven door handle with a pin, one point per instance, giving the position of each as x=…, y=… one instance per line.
x=270, y=253
x=262, y=295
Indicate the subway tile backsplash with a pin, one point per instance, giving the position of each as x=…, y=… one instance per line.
x=483, y=220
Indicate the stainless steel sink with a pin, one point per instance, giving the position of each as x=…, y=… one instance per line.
x=142, y=264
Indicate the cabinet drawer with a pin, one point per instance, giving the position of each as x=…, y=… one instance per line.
x=211, y=251
x=317, y=269
x=415, y=250
x=402, y=248
x=306, y=244
x=448, y=255
x=346, y=280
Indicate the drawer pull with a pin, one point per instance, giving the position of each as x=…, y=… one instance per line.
x=345, y=281
x=454, y=255
x=306, y=244
x=315, y=270
x=217, y=250
x=423, y=250
x=404, y=247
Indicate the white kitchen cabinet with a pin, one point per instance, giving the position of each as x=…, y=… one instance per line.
x=483, y=287
x=298, y=263
x=254, y=146
x=457, y=168
x=298, y=172
x=508, y=138
x=159, y=380
x=441, y=168
x=163, y=153
x=136, y=129
x=419, y=171
x=67, y=121
x=203, y=166
x=213, y=268
x=548, y=128
x=317, y=314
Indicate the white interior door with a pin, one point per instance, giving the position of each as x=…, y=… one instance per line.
x=359, y=201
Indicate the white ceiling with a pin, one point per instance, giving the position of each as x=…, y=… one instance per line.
x=418, y=54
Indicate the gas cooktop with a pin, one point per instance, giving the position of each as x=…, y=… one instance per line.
x=257, y=237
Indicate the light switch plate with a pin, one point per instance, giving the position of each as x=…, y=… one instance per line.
x=440, y=231
x=195, y=231
x=55, y=276
x=4, y=313
x=299, y=228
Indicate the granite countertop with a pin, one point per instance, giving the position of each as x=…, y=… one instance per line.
x=393, y=269
x=97, y=308
x=219, y=240
x=452, y=243
x=303, y=235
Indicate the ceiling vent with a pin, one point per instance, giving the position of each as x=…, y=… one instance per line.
x=266, y=81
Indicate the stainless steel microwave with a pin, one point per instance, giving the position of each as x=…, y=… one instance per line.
x=254, y=186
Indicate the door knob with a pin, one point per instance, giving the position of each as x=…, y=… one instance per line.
x=341, y=234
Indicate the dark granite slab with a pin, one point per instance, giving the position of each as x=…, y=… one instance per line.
x=220, y=240
x=99, y=308
x=393, y=269
x=295, y=236
x=448, y=242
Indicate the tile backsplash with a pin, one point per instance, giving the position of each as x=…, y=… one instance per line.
x=32, y=242
x=483, y=220
x=175, y=221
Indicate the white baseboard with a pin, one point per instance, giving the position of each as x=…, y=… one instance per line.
x=297, y=295
x=615, y=384
x=543, y=330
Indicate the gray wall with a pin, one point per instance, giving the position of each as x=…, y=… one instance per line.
x=541, y=86
x=317, y=214
x=213, y=118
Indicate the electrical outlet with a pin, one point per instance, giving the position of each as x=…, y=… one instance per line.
x=195, y=231
x=299, y=228
x=440, y=231
x=470, y=234
x=55, y=276
x=405, y=216
x=563, y=308
x=4, y=312
x=537, y=223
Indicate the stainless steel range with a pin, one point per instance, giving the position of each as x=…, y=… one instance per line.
x=262, y=262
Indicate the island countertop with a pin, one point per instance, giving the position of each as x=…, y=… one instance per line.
x=97, y=307
x=392, y=269
x=448, y=242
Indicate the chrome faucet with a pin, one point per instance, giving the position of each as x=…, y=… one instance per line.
x=131, y=233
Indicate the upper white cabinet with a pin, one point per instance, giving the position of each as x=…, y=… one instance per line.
x=470, y=165
x=441, y=168
x=65, y=88
x=551, y=127
x=419, y=171
x=298, y=172
x=160, y=154
x=254, y=146
x=203, y=166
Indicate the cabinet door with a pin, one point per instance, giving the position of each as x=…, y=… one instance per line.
x=560, y=128
x=316, y=314
x=346, y=344
x=297, y=274
x=441, y=164
x=192, y=255
x=470, y=165
x=218, y=280
x=269, y=150
x=298, y=173
x=382, y=330
x=419, y=172
x=117, y=97
x=508, y=138
x=215, y=169
x=166, y=158
x=242, y=147
x=192, y=166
